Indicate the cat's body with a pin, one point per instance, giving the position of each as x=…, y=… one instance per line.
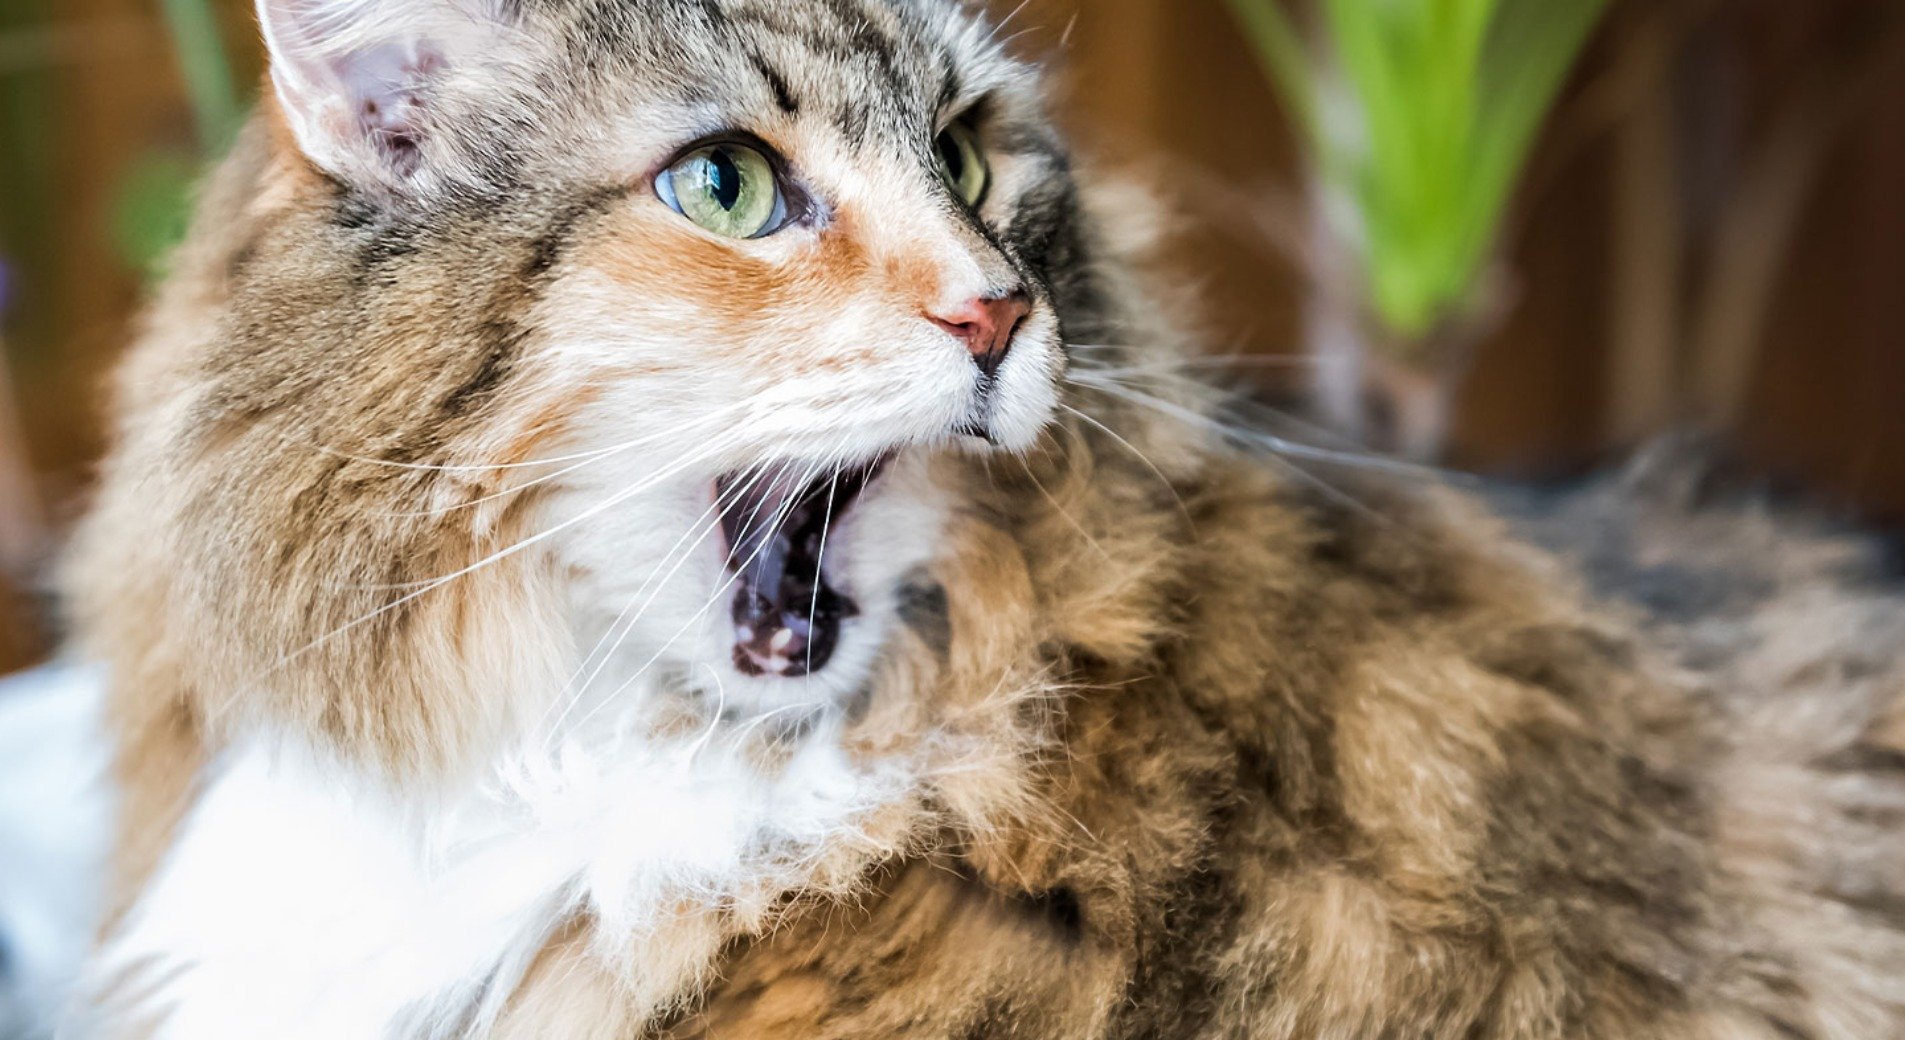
x=440, y=714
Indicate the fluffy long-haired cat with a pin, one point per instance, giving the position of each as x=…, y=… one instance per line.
x=672, y=518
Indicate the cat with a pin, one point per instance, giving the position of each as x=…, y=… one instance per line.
x=684, y=518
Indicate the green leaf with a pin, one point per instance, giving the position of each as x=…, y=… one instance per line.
x=1529, y=56
x=153, y=208
x=216, y=105
x=1280, y=50
x=1421, y=113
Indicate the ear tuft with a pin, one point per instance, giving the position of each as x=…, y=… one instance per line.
x=359, y=80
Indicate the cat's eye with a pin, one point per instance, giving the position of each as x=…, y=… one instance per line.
x=728, y=188
x=962, y=162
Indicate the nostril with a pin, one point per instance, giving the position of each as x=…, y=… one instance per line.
x=965, y=330
x=986, y=325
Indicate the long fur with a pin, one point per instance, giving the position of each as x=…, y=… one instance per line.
x=407, y=572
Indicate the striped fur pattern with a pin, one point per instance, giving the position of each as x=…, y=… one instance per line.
x=407, y=571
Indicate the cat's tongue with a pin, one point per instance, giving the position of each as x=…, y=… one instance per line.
x=787, y=617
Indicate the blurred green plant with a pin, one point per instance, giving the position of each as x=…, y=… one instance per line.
x=217, y=108
x=1418, y=116
x=152, y=206
x=154, y=201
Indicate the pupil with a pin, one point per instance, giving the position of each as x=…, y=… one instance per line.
x=954, y=159
x=724, y=179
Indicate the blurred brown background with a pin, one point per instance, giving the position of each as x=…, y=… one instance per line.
x=1713, y=229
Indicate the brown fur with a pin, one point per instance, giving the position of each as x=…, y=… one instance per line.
x=1338, y=761
x=1373, y=778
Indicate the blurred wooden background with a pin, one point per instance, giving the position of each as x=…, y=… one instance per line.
x=1714, y=228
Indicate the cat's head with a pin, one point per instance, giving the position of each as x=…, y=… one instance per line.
x=631, y=313
x=839, y=214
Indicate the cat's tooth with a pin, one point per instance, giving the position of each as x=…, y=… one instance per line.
x=782, y=640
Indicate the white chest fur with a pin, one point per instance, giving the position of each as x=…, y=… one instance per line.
x=303, y=902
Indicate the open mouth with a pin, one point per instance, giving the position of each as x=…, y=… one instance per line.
x=787, y=613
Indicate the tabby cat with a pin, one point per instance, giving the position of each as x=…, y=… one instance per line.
x=675, y=518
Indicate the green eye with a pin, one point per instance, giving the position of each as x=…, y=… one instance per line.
x=729, y=189
x=963, y=163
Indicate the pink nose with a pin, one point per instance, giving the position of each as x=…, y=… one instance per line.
x=986, y=326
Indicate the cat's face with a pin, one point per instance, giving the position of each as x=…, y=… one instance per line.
x=762, y=262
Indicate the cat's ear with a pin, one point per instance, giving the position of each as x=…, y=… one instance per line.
x=362, y=83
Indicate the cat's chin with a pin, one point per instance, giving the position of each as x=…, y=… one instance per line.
x=789, y=606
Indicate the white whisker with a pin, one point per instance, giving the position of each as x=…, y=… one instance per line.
x=618, y=631
x=547, y=478
x=593, y=453
x=1142, y=457
x=780, y=517
x=1262, y=439
x=820, y=562
x=1008, y=19
x=1280, y=451
x=1060, y=509
x=513, y=550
